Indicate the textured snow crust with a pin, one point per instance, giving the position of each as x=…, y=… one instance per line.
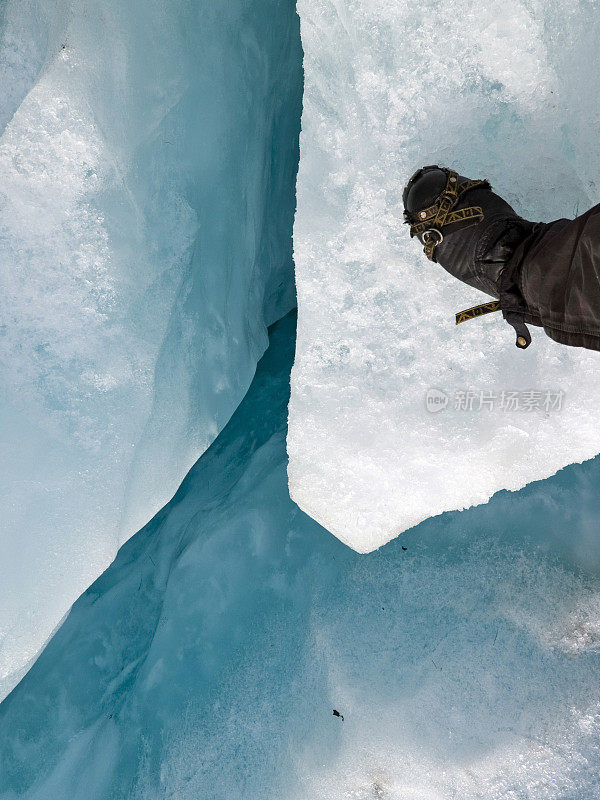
x=147, y=164
x=207, y=660
x=493, y=90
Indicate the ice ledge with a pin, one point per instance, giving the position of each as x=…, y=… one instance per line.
x=494, y=91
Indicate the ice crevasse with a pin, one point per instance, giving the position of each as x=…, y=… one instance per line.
x=207, y=660
x=147, y=161
x=150, y=154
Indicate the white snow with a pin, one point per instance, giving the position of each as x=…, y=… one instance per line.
x=498, y=90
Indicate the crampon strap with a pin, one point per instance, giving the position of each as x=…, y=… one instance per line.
x=513, y=318
x=429, y=223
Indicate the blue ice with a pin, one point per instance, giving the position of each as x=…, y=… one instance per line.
x=148, y=153
x=207, y=661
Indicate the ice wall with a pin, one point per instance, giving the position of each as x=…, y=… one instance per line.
x=207, y=660
x=501, y=90
x=147, y=164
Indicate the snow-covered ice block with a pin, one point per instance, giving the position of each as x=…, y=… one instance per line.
x=147, y=168
x=396, y=414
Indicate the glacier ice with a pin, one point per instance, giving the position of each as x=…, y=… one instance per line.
x=207, y=660
x=493, y=90
x=147, y=166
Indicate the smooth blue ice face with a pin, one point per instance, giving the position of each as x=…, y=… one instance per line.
x=207, y=661
x=148, y=153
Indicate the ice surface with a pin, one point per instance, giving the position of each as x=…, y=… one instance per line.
x=147, y=164
x=494, y=90
x=207, y=660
